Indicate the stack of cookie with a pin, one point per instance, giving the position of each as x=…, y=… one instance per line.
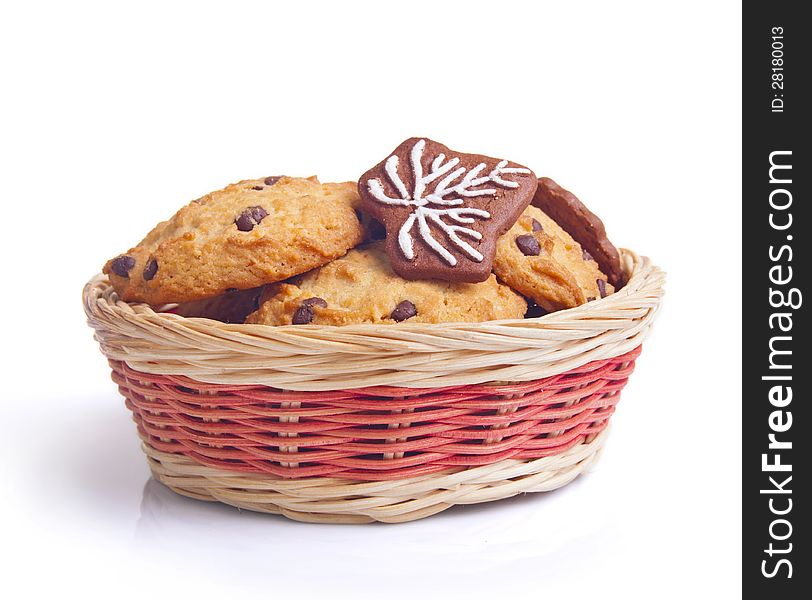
x=428, y=235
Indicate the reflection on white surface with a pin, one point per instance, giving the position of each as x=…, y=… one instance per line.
x=525, y=535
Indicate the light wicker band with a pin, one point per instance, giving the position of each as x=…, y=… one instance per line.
x=327, y=500
x=417, y=355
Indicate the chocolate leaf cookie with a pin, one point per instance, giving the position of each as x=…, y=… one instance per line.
x=444, y=210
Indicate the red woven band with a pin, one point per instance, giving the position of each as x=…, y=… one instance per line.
x=379, y=433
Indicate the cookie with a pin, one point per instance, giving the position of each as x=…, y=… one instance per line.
x=541, y=261
x=444, y=210
x=248, y=234
x=231, y=307
x=361, y=287
x=582, y=224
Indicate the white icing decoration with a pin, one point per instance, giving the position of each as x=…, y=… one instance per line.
x=424, y=214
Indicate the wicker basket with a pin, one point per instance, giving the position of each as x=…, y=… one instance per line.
x=373, y=422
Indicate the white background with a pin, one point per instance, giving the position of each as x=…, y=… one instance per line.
x=114, y=115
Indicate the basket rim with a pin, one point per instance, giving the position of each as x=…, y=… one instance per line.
x=415, y=355
x=643, y=278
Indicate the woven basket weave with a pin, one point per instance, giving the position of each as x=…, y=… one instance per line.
x=373, y=422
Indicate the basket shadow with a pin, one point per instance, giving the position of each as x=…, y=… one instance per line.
x=97, y=458
x=522, y=532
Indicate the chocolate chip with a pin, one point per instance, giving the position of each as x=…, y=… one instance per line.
x=258, y=213
x=250, y=217
x=586, y=255
x=534, y=310
x=258, y=187
x=591, y=299
x=244, y=222
x=121, y=265
x=303, y=315
x=273, y=179
x=601, y=287
x=315, y=301
x=536, y=225
x=404, y=310
x=151, y=269
x=528, y=244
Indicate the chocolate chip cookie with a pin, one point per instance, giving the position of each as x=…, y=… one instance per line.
x=582, y=224
x=361, y=287
x=248, y=234
x=541, y=261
